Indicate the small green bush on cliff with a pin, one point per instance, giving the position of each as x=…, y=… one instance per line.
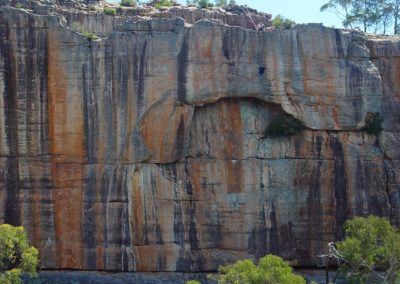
x=79, y=28
x=373, y=123
x=110, y=11
x=270, y=269
x=284, y=126
x=128, y=3
x=16, y=256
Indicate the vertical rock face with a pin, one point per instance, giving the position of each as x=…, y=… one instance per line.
x=146, y=150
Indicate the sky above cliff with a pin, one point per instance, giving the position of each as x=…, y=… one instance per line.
x=297, y=10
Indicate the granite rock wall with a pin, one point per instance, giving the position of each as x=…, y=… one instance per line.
x=146, y=151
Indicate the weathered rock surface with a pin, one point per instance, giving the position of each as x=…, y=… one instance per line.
x=145, y=150
x=90, y=13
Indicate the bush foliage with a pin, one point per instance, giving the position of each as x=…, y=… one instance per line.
x=373, y=123
x=270, y=269
x=280, y=22
x=193, y=282
x=128, y=3
x=284, y=126
x=164, y=3
x=370, y=251
x=16, y=256
x=79, y=28
x=110, y=11
x=204, y=3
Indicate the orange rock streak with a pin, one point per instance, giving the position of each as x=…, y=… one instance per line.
x=67, y=156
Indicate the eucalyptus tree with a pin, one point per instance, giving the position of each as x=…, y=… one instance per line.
x=370, y=15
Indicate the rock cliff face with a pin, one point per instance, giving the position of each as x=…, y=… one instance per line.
x=145, y=150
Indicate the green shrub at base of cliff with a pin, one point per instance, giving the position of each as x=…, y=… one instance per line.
x=284, y=126
x=370, y=251
x=110, y=11
x=270, y=269
x=128, y=3
x=193, y=282
x=373, y=123
x=16, y=256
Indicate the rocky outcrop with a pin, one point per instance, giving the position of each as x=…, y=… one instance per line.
x=90, y=13
x=146, y=150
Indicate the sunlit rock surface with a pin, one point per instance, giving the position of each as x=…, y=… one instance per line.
x=144, y=150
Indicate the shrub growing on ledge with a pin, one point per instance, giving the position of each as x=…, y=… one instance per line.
x=77, y=27
x=110, y=11
x=284, y=126
x=128, y=3
x=373, y=123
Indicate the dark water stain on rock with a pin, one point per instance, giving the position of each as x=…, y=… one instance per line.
x=340, y=185
x=182, y=62
x=11, y=106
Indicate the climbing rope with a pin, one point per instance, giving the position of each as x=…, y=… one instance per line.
x=248, y=14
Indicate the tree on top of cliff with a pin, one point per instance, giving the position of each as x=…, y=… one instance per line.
x=209, y=3
x=280, y=22
x=16, y=256
x=372, y=15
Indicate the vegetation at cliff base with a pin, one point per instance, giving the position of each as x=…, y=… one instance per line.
x=284, y=126
x=270, y=269
x=16, y=256
x=372, y=15
x=373, y=123
x=370, y=251
x=280, y=22
x=193, y=282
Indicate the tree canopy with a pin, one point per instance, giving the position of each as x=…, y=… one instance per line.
x=370, y=15
x=16, y=256
x=280, y=22
x=369, y=253
x=270, y=269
